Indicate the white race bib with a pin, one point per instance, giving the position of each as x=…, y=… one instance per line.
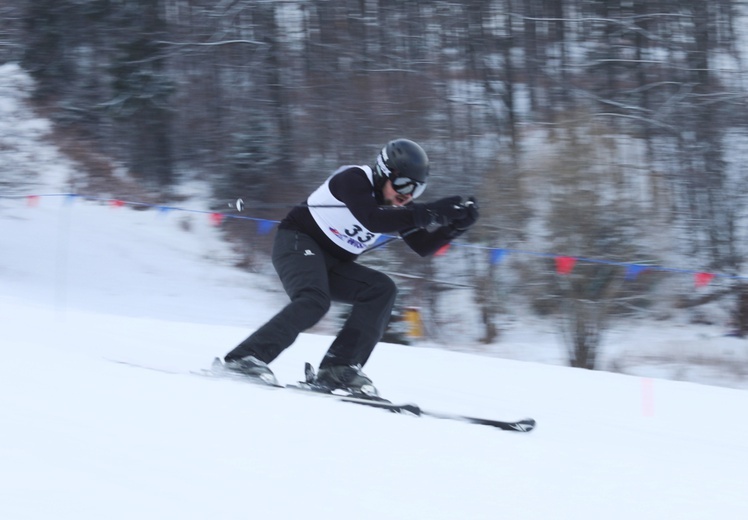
x=337, y=221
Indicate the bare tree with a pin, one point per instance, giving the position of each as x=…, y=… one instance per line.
x=590, y=217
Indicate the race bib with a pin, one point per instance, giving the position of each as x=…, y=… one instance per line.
x=337, y=221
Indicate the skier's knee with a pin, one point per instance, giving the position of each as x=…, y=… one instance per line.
x=386, y=288
x=314, y=306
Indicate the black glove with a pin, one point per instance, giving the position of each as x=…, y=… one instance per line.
x=439, y=213
x=470, y=218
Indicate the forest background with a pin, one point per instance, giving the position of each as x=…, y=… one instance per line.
x=610, y=132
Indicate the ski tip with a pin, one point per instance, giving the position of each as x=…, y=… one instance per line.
x=525, y=425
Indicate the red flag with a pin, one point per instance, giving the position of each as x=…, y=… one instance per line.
x=32, y=201
x=442, y=250
x=703, y=279
x=216, y=218
x=565, y=264
x=116, y=203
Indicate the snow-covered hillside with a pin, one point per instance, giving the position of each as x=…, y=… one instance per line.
x=86, y=437
x=85, y=286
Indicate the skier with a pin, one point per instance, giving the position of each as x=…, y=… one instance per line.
x=314, y=254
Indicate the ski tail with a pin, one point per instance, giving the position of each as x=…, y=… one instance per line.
x=310, y=376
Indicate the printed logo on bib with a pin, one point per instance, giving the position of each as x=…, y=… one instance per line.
x=357, y=236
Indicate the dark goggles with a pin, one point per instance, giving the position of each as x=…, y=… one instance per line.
x=406, y=186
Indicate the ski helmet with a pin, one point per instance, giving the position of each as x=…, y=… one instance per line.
x=404, y=163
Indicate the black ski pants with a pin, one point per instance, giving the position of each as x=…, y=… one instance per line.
x=312, y=279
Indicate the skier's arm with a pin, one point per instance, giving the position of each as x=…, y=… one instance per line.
x=427, y=243
x=353, y=189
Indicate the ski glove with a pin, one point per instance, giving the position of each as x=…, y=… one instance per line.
x=470, y=217
x=439, y=213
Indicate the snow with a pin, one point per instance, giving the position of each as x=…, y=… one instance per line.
x=86, y=437
x=85, y=288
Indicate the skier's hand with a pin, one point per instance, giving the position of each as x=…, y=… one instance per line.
x=439, y=213
x=470, y=218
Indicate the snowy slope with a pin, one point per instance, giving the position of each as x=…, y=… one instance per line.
x=87, y=438
x=84, y=286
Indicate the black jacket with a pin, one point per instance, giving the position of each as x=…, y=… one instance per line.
x=353, y=189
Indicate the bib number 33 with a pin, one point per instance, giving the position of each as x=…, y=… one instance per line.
x=360, y=234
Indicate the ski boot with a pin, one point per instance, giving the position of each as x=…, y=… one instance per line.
x=348, y=379
x=250, y=367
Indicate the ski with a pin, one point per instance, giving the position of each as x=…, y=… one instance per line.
x=379, y=402
x=308, y=385
x=216, y=371
x=524, y=425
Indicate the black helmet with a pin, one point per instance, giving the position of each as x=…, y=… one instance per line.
x=404, y=163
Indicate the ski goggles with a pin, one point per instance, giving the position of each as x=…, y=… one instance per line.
x=407, y=186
